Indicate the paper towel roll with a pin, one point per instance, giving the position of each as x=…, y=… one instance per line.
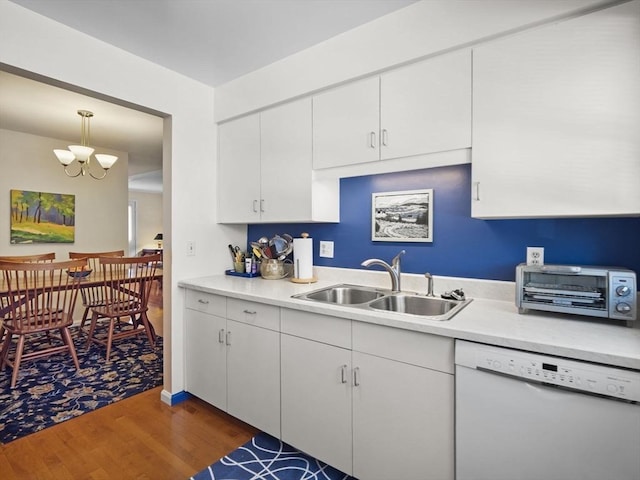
x=303, y=257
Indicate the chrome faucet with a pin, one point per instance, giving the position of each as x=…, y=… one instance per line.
x=393, y=269
x=429, y=278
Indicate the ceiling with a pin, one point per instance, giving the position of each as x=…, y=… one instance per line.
x=212, y=41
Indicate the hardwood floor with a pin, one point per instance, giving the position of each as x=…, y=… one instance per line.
x=136, y=438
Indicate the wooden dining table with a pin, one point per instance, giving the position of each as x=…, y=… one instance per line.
x=94, y=279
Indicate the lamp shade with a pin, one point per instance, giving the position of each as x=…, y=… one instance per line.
x=158, y=237
x=64, y=156
x=81, y=152
x=106, y=161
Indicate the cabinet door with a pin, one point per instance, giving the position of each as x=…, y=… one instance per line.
x=238, y=170
x=286, y=162
x=555, y=119
x=316, y=400
x=206, y=365
x=253, y=376
x=346, y=121
x=426, y=107
x=402, y=421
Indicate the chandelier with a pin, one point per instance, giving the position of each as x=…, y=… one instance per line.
x=82, y=153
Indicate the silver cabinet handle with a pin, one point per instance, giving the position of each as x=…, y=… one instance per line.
x=204, y=302
x=372, y=139
x=249, y=312
x=221, y=336
x=262, y=205
x=476, y=187
x=343, y=374
x=255, y=206
x=228, y=338
x=385, y=137
x=356, y=377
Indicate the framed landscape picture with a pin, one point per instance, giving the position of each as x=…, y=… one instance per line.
x=40, y=217
x=405, y=216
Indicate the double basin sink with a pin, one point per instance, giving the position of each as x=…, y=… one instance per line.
x=376, y=299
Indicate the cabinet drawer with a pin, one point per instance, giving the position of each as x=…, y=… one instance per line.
x=320, y=328
x=421, y=349
x=254, y=313
x=206, y=302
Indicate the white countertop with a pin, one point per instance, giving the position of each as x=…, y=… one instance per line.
x=491, y=317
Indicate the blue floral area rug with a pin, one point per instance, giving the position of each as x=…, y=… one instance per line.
x=267, y=458
x=50, y=390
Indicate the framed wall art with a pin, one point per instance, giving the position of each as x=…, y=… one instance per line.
x=40, y=217
x=405, y=216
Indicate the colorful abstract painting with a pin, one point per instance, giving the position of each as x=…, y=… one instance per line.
x=40, y=217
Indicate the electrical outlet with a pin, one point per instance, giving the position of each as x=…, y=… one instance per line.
x=191, y=249
x=535, y=256
x=326, y=249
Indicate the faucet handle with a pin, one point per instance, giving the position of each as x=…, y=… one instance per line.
x=429, y=278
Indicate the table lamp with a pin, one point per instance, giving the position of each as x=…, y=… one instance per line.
x=158, y=238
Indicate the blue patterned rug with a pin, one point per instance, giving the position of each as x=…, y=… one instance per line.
x=267, y=458
x=50, y=390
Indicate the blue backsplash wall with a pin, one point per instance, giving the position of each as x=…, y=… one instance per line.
x=462, y=246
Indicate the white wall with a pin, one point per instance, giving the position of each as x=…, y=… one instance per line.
x=420, y=30
x=28, y=163
x=148, y=218
x=34, y=43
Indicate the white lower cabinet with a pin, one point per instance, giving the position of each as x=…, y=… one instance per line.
x=206, y=358
x=402, y=421
x=233, y=357
x=253, y=376
x=316, y=400
x=373, y=401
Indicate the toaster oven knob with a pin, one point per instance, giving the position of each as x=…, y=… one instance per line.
x=623, y=290
x=623, y=307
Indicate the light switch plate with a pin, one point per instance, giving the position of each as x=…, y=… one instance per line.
x=535, y=256
x=191, y=249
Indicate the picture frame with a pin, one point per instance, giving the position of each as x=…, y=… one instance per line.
x=42, y=217
x=403, y=216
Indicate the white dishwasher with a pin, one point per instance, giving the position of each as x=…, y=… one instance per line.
x=528, y=416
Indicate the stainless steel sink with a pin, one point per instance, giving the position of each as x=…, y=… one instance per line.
x=370, y=298
x=343, y=295
x=418, y=305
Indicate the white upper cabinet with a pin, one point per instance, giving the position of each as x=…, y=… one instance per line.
x=346, y=123
x=286, y=162
x=556, y=116
x=265, y=171
x=419, y=109
x=426, y=107
x=239, y=170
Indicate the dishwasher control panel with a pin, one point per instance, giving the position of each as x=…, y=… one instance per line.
x=587, y=377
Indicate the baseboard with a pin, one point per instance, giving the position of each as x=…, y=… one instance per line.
x=173, y=399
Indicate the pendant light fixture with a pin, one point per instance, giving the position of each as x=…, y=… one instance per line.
x=82, y=153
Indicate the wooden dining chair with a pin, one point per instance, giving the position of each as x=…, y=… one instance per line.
x=126, y=288
x=92, y=296
x=41, y=298
x=38, y=258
